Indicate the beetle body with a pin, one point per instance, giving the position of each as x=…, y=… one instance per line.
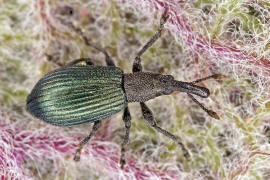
x=77, y=94
x=86, y=93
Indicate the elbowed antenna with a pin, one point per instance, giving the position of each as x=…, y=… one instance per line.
x=190, y=88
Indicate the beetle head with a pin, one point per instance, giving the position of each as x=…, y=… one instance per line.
x=163, y=84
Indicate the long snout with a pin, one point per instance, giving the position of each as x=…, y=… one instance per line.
x=190, y=88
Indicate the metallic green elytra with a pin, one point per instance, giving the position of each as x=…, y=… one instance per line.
x=78, y=94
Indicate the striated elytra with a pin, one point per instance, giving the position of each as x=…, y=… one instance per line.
x=82, y=92
x=78, y=94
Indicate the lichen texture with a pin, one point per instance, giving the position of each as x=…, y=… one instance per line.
x=201, y=38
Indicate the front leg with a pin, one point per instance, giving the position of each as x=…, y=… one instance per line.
x=137, y=67
x=148, y=116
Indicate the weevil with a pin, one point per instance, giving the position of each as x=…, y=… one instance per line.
x=82, y=92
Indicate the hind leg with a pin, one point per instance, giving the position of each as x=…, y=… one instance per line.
x=96, y=126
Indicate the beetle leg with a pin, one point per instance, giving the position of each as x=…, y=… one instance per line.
x=79, y=31
x=96, y=126
x=126, y=119
x=137, y=67
x=87, y=61
x=215, y=76
x=148, y=116
x=51, y=58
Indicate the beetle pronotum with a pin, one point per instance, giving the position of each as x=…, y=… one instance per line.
x=80, y=93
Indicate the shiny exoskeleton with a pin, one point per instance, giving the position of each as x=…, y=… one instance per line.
x=81, y=92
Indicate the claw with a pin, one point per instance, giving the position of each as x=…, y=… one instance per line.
x=186, y=154
x=213, y=114
x=122, y=158
x=122, y=163
x=78, y=154
x=164, y=18
x=219, y=77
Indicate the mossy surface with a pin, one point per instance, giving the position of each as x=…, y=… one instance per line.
x=201, y=38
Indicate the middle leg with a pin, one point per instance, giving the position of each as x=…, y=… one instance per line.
x=79, y=31
x=126, y=119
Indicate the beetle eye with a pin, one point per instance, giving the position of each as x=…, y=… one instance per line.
x=66, y=10
x=170, y=77
x=167, y=78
